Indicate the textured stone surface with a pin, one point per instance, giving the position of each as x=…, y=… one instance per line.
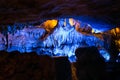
x=59, y=41
x=33, y=10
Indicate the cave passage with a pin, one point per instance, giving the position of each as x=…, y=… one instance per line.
x=54, y=37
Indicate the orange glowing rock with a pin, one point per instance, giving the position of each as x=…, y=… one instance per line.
x=72, y=21
x=117, y=30
x=93, y=31
x=50, y=24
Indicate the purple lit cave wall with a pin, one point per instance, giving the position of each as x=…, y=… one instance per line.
x=58, y=37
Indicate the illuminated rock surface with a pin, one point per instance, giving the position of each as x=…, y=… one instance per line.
x=56, y=39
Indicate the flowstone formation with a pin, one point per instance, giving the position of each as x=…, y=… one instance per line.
x=55, y=37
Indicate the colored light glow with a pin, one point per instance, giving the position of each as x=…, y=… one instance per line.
x=63, y=41
x=50, y=24
x=98, y=23
x=105, y=54
x=71, y=21
x=117, y=30
x=93, y=31
x=117, y=42
x=96, y=30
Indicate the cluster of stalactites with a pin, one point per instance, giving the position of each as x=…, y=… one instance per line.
x=116, y=33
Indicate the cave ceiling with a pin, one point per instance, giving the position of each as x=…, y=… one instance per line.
x=12, y=11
